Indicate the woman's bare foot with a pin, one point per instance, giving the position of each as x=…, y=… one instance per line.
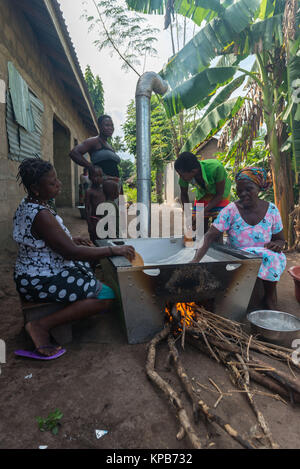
x=41, y=339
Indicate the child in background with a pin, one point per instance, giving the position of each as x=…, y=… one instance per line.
x=83, y=186
x=100, y=191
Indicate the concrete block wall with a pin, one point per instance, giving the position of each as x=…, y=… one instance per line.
x=20, y=45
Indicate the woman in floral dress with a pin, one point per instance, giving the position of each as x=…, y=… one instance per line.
x=255, y=226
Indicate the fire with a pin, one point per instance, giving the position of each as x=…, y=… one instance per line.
x=184, y=311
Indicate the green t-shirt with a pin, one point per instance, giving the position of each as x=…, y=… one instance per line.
x=212, y=172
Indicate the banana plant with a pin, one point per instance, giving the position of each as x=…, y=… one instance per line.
x=235, y=30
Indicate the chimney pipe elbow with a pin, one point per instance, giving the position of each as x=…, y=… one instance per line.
x=149, y=82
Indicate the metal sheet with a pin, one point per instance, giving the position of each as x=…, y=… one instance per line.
x=12, y=130
x=19, y=93
x=224, y=278
x=23, y=144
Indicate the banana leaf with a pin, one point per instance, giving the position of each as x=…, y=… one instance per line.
x=265, y=32
x=210, y=41
x=225, y=94
x=293, y=71
x=189, y=8
x=213, y=122
x=198, y=90
x=267, y=8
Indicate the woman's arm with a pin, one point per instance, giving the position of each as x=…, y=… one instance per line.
x=46, y=227
x=277, y=242
x=79, y=150
x=184, y=195
x=220, y=187
x=209, y=237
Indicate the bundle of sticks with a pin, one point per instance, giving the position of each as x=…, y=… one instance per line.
x=227, y=343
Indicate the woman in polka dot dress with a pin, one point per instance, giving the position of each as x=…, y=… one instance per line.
x=51, y=266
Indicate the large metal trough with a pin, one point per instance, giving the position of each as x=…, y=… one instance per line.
x=225, y=277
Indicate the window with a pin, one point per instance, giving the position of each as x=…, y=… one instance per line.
x=24, y=113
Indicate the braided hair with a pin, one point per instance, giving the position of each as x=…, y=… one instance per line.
x=31, y=170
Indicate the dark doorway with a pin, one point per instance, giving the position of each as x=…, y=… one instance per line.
x=62, y=163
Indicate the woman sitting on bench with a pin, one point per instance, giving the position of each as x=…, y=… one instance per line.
x=51, y=266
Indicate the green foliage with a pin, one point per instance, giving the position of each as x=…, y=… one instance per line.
x=212, y=40
x=118, y=144
x=129, y=35
x=96, y=91
x=161, y=135
x=198, y=89
x=50, y=423
x=258, y=156
x=130, y=193
x=211, y=123
x=127, y=168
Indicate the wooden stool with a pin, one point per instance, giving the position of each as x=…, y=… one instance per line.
x=31, y=311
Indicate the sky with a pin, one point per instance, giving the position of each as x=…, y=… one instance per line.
x=119, y=86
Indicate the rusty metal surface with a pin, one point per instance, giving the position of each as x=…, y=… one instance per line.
x=224, y=277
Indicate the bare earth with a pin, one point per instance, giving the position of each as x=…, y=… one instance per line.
x=103, y=386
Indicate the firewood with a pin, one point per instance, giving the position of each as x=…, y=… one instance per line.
x=183, y=377
x=169, y=391
x=256, y=376
x=200, y=405
x=243, y=384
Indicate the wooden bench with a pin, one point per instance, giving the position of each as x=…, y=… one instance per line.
x=31, y=311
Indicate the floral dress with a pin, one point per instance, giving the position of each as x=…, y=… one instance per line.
x=252, y=238
x=40, y=273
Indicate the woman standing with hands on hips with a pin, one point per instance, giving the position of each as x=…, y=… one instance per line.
x=253, y=225
x=101, y=152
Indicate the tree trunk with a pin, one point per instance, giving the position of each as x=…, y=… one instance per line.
x=280, y=162
x=282, y=186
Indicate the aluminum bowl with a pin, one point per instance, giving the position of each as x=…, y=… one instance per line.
x=275, y=326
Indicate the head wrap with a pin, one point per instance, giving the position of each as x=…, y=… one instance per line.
x=254, y=174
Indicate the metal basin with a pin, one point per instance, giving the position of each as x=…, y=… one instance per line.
x=275, y=326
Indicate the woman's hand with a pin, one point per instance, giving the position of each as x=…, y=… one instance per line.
x=277, y=242
x=83, y=241
x=126, y=251
x=273, y=246
x=194, y=260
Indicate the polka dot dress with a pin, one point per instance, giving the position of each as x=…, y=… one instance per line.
x=73, y=284
x=43, y=275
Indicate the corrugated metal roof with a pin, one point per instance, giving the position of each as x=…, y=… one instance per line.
x=37, y=15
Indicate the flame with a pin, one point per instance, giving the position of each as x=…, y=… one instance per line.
x=187, y=313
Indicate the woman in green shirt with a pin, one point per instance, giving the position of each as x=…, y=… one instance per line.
x=210, y=180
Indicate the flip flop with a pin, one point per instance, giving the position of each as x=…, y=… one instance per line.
x=38, y=356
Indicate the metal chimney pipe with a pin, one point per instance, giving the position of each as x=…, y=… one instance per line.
x=148, y=82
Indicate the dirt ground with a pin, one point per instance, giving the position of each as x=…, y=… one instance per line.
x=103, y=386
